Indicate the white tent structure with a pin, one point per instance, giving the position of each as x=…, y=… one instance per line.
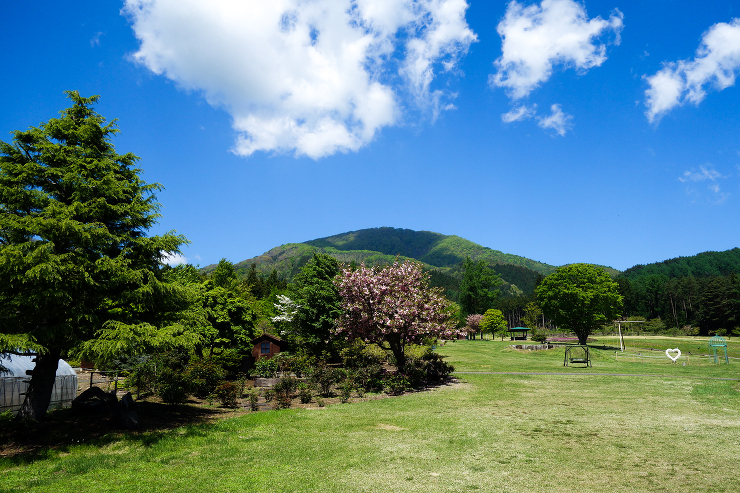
x=13, y=384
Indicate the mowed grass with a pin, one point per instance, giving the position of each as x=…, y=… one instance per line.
x=642, y=355
x=574, y=431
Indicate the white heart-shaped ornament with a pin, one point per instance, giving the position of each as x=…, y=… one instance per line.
x=676, y=351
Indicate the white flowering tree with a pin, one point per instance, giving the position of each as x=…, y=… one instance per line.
x=392, y=307
x=286, y=309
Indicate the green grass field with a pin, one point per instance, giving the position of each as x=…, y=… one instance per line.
x=674, y=429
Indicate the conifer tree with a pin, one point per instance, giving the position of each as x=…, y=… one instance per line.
x=74, y=256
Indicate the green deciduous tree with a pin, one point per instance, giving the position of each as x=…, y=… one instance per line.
x=580, y=297
x=74, y=255
x=224, y=276
x=493, y=322
x=532, y=314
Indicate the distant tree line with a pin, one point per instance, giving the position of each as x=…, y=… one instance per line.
x=694, y=305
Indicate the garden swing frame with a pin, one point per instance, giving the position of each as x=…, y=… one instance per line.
x=570, y=359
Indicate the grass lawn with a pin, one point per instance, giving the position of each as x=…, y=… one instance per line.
x=572, y=431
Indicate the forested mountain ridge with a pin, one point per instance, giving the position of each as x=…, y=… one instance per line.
x=701, y=265
x=430, y=248
x=441, y=254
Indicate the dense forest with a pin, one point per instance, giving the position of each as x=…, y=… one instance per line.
x=702, y=265
x=699, y=294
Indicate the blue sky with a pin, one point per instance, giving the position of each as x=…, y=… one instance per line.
x=603, y=132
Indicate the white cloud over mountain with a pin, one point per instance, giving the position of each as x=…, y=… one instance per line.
x=715, y=65
x=309, y=77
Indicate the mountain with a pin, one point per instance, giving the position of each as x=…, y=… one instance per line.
x=441, y=254
x=430, y=248
x=700, y=265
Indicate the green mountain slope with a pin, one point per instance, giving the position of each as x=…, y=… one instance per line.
x=701, y=265
x=431, y=248
x=442, y=255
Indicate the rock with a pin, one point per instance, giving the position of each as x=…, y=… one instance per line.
x=96, y=401
x=127, y=402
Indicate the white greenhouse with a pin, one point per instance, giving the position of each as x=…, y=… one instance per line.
x=13, y=384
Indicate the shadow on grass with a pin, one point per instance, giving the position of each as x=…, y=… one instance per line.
x=22, y=442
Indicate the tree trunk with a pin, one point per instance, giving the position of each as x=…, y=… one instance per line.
x=38, y=394
x=582, y=337
x=397, y=350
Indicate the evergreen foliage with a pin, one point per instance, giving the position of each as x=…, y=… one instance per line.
x=74, y=255
x=317, y=302
x=479, y=287
x=701, y=265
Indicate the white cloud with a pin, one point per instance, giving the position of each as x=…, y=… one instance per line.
x=709, y=174
x=538, y=37
x=715, y=64
x=95, y=40
x=703, y=174
x=558, y=121
x=312, y=77
x=173, y=259
x=518, y=113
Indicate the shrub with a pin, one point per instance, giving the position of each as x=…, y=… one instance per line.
x=369, y=377
x=435, y=367
x=415, y=373
x=205, y=376
x=284, y=390
x=424, y=365
x=301, y=364
x=228, y=394
x=324, y=377
x=304, y=393
x=284, y=362
x=361, y=355
x=395, y=383
x=539, y=335
x=173, y=386
x=286, y=384
x=345, y=390
x=282, y=401
x=253, y=397
x=266, y=368
x=6, y=416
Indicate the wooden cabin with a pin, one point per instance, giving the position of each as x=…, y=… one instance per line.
x=267, y=346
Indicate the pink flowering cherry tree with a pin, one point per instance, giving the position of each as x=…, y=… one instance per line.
x=473, y=326
x=392, y=306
